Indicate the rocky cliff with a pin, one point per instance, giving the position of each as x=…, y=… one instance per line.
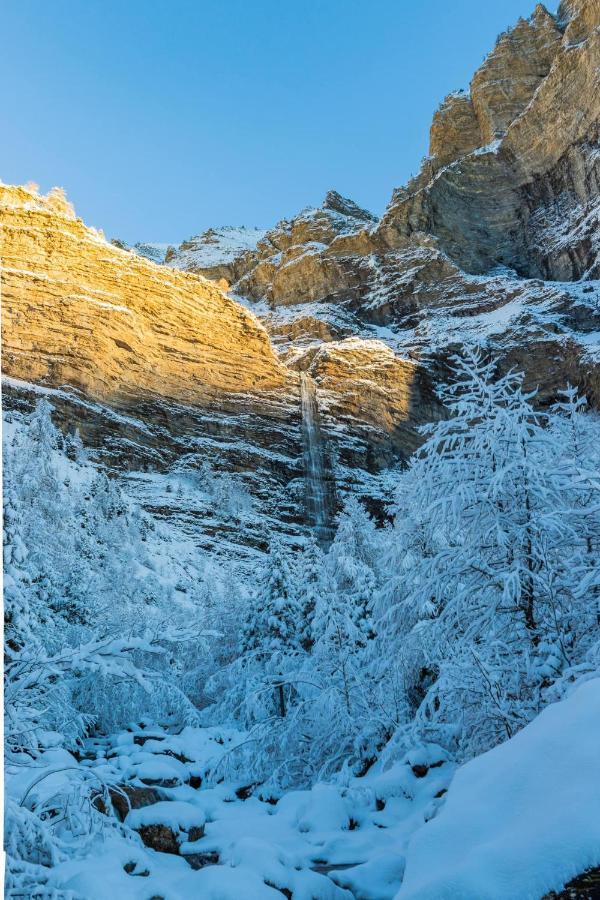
x=158, y=368
x=82, y=312
x=514, y=158
x=199, y=359
x=497, y=238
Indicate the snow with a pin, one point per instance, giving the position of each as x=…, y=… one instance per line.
x=275, y=804
x=330, y=842
x=520, y=820
x=161, y=768
x=321, y=809
x=215, y=247
x=175, y=814
x=152, y=251
x=493, y=147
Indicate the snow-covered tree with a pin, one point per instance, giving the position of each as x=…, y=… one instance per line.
x=79, y=572
x=311, y=580
x=351, y=561
x=272, y=623
x=487, y=534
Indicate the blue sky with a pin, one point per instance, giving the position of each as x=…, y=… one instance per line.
x=163, y=117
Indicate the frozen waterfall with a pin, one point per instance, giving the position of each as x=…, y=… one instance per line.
x=315, y=480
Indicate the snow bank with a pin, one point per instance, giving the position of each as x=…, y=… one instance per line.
x=520, y=820
x=175, y=814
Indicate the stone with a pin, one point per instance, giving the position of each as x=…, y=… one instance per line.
x=79, y=311
x=127, y=797
x=160, y=838
x=454, y=130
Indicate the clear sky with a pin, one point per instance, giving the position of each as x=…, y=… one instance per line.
x=163, y=117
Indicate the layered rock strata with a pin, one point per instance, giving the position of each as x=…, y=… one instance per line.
x=79, y=311
x=154, y=365
x=496, y=242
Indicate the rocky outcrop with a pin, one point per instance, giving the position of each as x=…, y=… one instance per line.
x=503, y=86
x=79, y=311
x=501, y=90
x=215, y=253
x=368, y=389
x=563, y=214
x=454, y=130
x=289, y=266
x=507, y=201
x=537, y=103
x=511, y=180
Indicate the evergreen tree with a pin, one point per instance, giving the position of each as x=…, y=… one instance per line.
x=311, y=582
x=350, y=562
x=272, y=624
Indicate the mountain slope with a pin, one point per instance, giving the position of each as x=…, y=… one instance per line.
x=371, y=310
x=508, y=196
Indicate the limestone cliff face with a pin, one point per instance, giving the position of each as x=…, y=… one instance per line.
x=507, y=202
x=79, y=311
x=155, y=366
x=536, y=104
x=504, y=85
x=511, y=180
x=368, y=389
x=289, y=265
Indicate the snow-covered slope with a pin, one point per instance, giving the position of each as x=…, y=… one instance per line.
x=215, y=247
x=153, y=251
x=522, y=819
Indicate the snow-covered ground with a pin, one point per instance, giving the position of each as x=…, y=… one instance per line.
x=520, y=820
x=338, y=840
x=512, y=824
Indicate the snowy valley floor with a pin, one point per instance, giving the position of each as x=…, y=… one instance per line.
x=516, y=822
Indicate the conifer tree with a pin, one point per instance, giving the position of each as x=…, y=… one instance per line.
x=351, y=562
x=311, y=585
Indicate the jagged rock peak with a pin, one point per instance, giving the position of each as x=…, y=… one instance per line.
x=500, y=89
x=513, y=170
x=503, y=86
x=346, y=207
x=578, y=18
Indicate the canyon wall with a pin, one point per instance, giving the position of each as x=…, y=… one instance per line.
x=198, y=356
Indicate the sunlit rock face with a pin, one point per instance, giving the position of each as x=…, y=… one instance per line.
x=288, y=265
x=455, y=130
x=162, y=373
x=504, y=85
x=82, y=312
x=506, y=203
x=511, y=178
x=366, y=387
